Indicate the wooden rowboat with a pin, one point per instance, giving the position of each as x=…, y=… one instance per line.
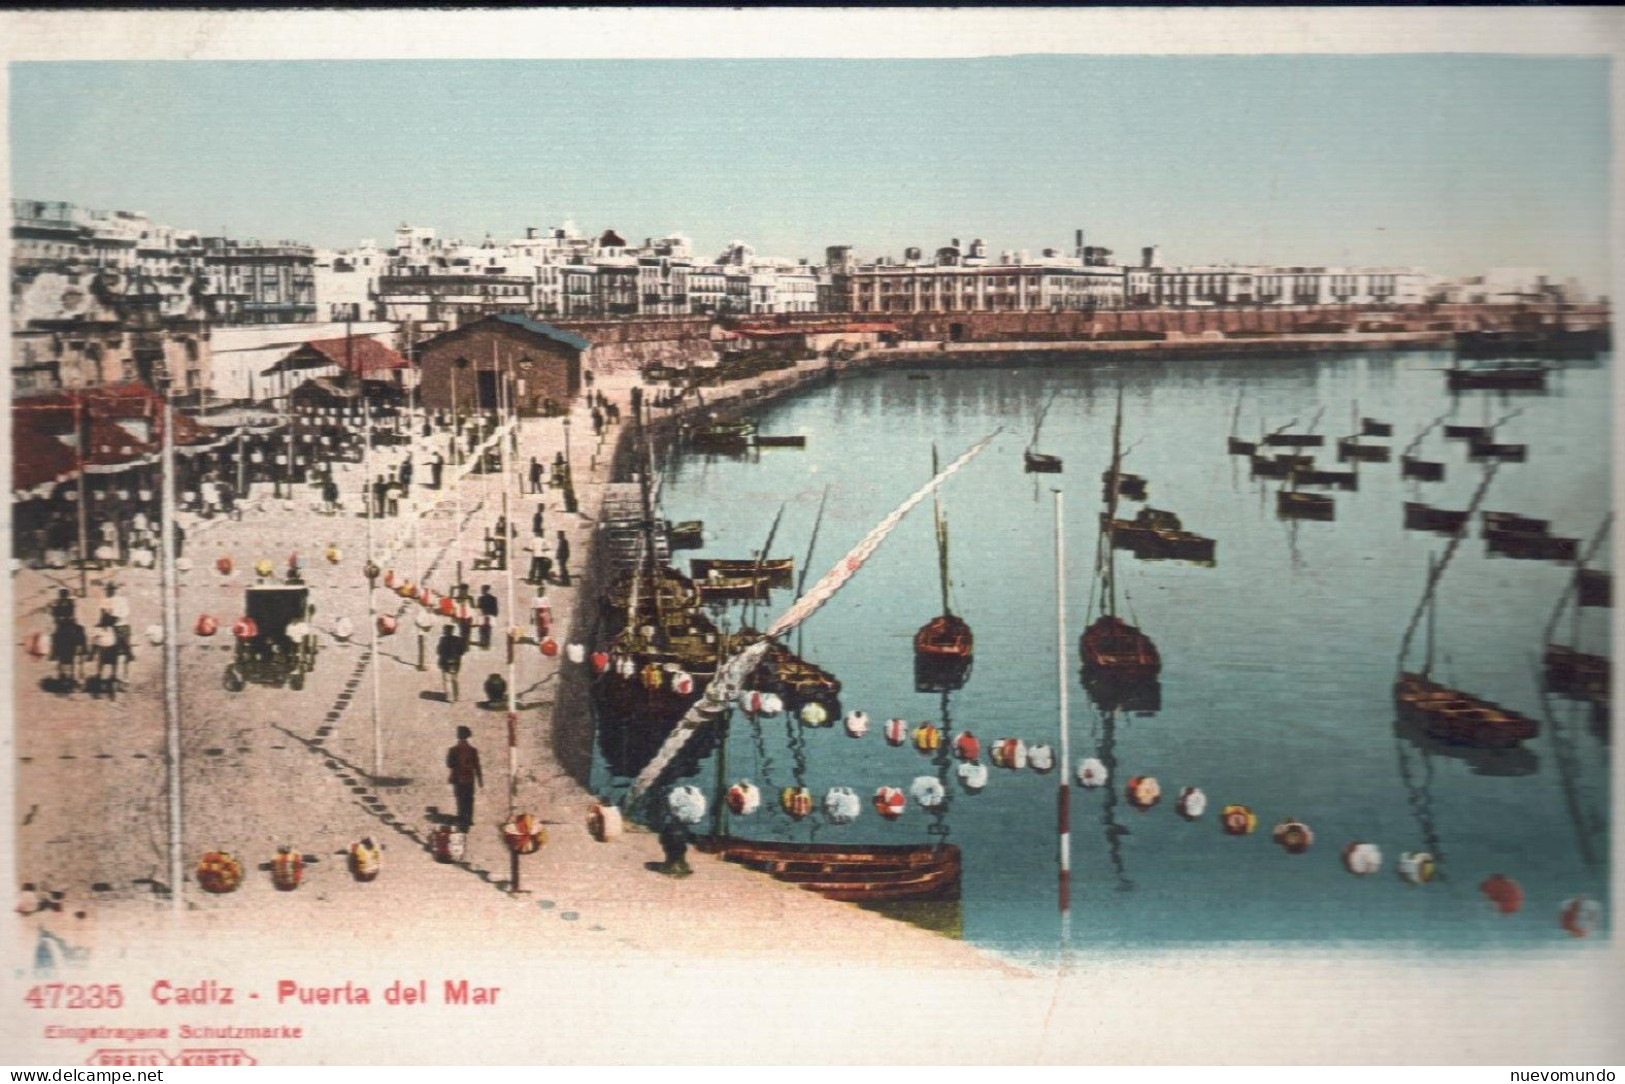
x=851, y=873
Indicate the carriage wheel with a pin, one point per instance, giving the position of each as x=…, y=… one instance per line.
x=233, y=680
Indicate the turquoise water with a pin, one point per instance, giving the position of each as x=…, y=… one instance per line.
x=1277, y=663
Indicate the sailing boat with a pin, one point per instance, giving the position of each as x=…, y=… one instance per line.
x=1439, y=711
x=1037, y=462
x=943, y=647
x=1570, y=671
x=1114, y=652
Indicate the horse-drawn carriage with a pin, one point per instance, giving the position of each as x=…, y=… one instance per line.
x=276, y=644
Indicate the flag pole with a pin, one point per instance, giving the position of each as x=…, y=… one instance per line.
x=171, y=626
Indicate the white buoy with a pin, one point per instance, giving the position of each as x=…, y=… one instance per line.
x=927, y=791
x=687, y=804
x=857, y=723
x=842, y=805
x=1093, y=773
x=973, y=777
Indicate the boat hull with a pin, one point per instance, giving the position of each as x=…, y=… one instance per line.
x=1421, y=517
x=1578, y=674
x=1291, y=505
x=1423, y=470
x=1038, y=463
x=851, y=873
x=1452, y=716
x=1112, y=649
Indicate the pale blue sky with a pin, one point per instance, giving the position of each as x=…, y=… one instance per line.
x=1451, y=163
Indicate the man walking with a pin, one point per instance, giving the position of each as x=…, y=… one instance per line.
x=449, y=654
x=436, y=465
x=488, y=614
x=539, y=561
x=561, y=555
x=463, y=763
x=535, y=475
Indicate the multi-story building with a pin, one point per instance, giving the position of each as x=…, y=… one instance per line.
x=1183, y=287
x=961, y=279
x=347, y=281
x=252, y=283
x=449, y=282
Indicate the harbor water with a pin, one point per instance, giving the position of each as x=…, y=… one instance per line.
x=1278, y=661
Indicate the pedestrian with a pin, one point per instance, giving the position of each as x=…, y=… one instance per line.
x=539, y=561
x=488, y=614
x=117, y=607
x=180, y=538
x=561, y=554
x=463, y=762
x=536, y=518
x=392, y=496
x=330, y=495
x=105, y=650
x=68, y=646
x=535, y=475
x=406, y=474
x=436, y=465
x=449, y=655
x=62, y=608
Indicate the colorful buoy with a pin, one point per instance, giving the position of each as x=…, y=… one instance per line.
x=604, y=822
x=682, y=682
x=245, y=628
x=1238, y=820
x=1143, y=792
x=1192, y=803
x=966, y=747
x=857, y=724
x=842, y=805
x=772, y=705
x=813, y=714
x=1009, y=753
x=1505, y=893
x=1293, y=836
x=1092, y=773
x=1416, y=867
x=366, y=859
x=687, y=804
x=287, y=869
x=218, y=872
x=224, y=565
x=796, y=801
x=927, y=738
x=927, y=791
x=744, y=798
x=263, y=568
x=387, y=624
x=1362, y=859
x=896, y=731
x=206, y=625
x=1580, y=916
x=889, y=802
x=448, y=843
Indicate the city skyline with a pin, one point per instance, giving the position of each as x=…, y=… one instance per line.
x=1484, y=161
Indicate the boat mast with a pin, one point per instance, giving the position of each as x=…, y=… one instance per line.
x=1109, y=528
x=942, y=537
x=645, y=492
x=806, y=565
x=1235, y=415
x=1433, y=616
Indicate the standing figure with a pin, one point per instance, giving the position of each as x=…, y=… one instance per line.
x=536, y=519
x=463, y=762
x=104, y=647
x=68, y=646
x=449, y=654
x=117, y=607
x=561, y=554
x=535, y=475
x=488, y=614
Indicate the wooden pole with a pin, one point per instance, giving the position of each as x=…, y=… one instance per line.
x=1064, y=795
x=172, y=699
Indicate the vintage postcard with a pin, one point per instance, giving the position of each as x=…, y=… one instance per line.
x=811, y=537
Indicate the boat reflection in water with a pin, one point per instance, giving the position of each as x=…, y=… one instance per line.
x=1513, y=760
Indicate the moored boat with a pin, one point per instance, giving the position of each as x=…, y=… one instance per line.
x=851, y=873
x=1291, y=504
x=1531, y=545
x=777, y=571
x=945, y=641
x=1114, y=652
x=724, y=436
x=1451, y=715
x=1034, y=461
x=1314, y=476
x=1423, y=517
x=1510, y=377
x=1371, y=427
x=1423, y=470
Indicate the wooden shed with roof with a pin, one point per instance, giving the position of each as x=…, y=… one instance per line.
x=480, y=364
